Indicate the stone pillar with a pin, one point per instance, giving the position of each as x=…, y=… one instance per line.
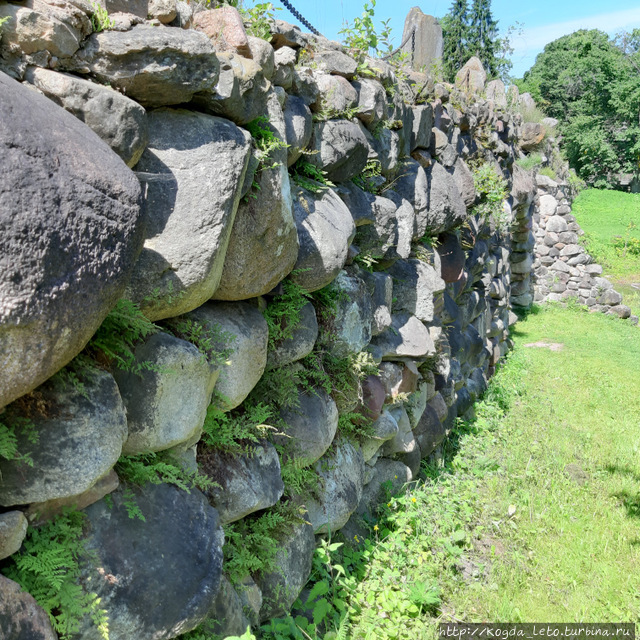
x=429, y=44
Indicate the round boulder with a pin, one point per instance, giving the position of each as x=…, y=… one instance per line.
x=69, y=236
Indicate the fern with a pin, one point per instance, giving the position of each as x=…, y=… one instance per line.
x=115, y=339
x=48, y=568
x=283, y=312
x=152, y=468
x=9, y=438
x=214, y=343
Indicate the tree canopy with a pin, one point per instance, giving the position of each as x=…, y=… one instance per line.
x=591, y=84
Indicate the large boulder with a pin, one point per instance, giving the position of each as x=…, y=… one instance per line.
x=246, y=335
x=243, y=484
x=226, y=616
x=76, y=437
x=426, y=46
x=155, y=578
x=372, y=101
x=532, y=134
x=20, y=616
x=154, y=66
x=341, y=149
x=118, y=120
x=309, y=427
x=69, y=234
x=325, y=230
x=167, y=403
x=38, y=26
x=281, y=586
x=341, y=473
x=225, y=28
x=263, y=246
x=464, y=180
x=414, y=284
x=193, y=169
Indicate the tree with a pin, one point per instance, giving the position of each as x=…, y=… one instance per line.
x=483, y=39
x=592, y=87
x=474, y=32
x=455, y=30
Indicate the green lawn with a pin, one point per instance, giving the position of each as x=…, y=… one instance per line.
x=532, y=516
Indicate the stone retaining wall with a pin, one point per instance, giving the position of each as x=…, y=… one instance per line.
x=133, y=165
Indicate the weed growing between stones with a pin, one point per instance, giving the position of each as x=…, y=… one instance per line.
x=283, y=312
x=100, y=19
x=308, y=176
x=251, y=544
x=492, y=190
x=154, y=468
x=265, y=141
x=9, y=440
x=368, y=259
x=371, y=178
x=214, y=343
x=530, y=162
x=258, y=19
x=297, y=479
x=236, y=430
x=48, y=567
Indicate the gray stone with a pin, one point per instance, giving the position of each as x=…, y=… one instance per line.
x=556, y=224
x=403, y=441
x=621, y=310
x=472, y=76
x=80, y=437
x=351, y=331
x=157, y=578
x=226, y=616
x=39, y=513
x=184, y=15
x=263, y=246
x=193, y=170
x=341, y=473
x=310, y=427
x=342, y=149
x=301, y=342
x=154, y=66
x=262, y=53
x=531, y=135
x=422, y=125
x=380, y=287
x=414, y=285
x=54, y=27
x=325, y=230
x=526, y=101
x=245, y=483
x=163, y=10
x=20, y=616
x=138, y=8
x=610, y=297
x=241, y=92
x=305, y=86
x=299, y=126
x=496, y=91
x=284, y=61
x=166, y=405
x=464, y=180
x=429, y=44
x=548, y=208
x=372, y=102
x=280, y=587
x=336, y=63
x=119, y=121
x=593, y=269
x=13, y=529
x=452, y=258
x=247, y=335
x=383, y=429
x=386, y=146
x=406, y=338
x=416, y=404
x=430, y=431
x=389, y=237
x=337, y=95
x=390, y=477
x=71, y=231
x=286, y=35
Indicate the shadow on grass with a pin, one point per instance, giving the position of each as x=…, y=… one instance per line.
x=623, y=471
x=631, y=502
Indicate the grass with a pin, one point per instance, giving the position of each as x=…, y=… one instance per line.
x=532, y=516
x=608, y=217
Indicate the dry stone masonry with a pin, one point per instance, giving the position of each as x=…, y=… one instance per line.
x=280, y=214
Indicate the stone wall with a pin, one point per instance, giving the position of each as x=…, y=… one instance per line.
x=133, y=167
x=563, y=270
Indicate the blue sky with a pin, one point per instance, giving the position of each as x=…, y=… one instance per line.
x=543, y=20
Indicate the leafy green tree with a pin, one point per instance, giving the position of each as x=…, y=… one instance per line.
x=592, y=86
